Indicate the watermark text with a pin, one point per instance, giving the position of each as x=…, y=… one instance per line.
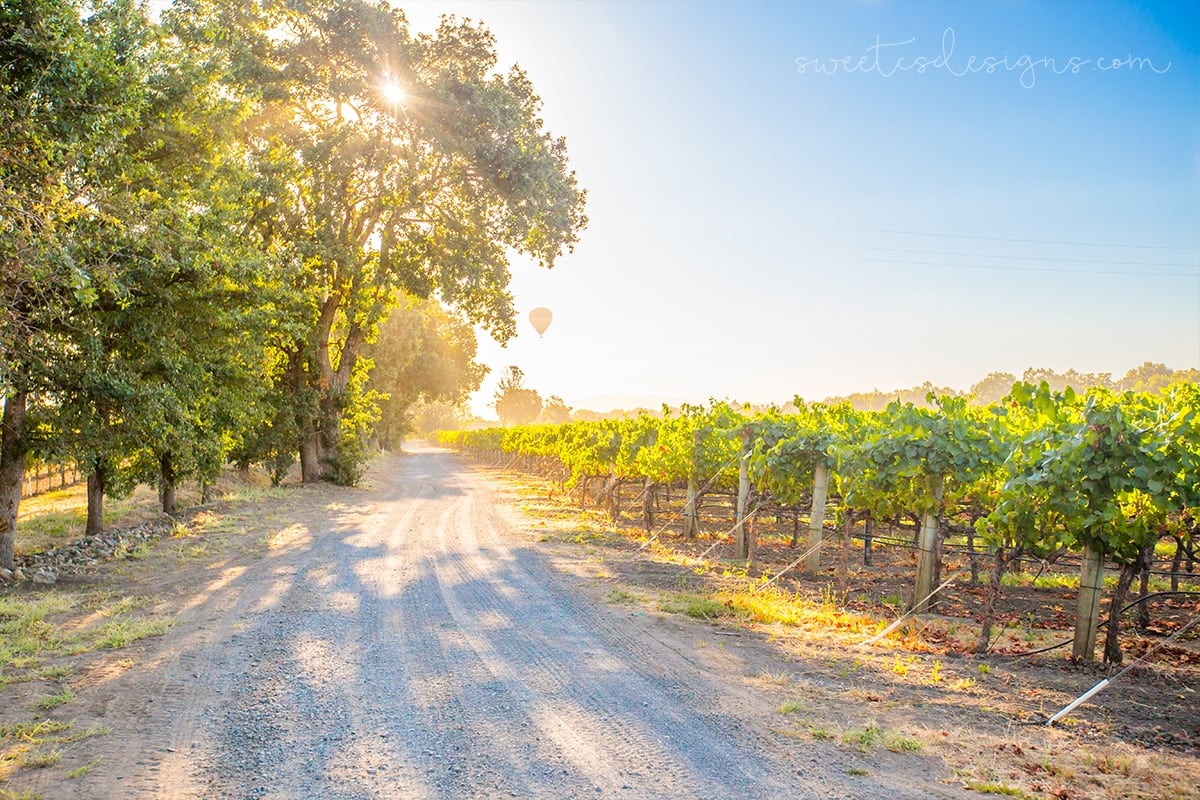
x=888, y=58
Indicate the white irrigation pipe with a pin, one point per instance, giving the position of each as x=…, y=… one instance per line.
x=910, y=612
x=1083, y=698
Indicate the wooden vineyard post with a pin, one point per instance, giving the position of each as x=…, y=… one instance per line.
x=927, y=556
x=816, y=518
x=741, y=542
x=1087, y=614
x=648, y=503
x=691, y=524
x=691, y=519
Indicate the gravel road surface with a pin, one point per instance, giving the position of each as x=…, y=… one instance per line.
x=412, y=645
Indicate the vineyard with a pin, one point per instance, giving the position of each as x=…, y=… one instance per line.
x=1100, y=485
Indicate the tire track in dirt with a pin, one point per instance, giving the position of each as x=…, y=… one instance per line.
x=411, y=646
x=613, y=721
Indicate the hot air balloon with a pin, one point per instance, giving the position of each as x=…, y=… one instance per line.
x=540, y=317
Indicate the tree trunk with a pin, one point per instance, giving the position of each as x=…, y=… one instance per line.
x=867, y=533
x=333, y=382
x=843, y=565
x=648, y=504
x=691, y=521
x=310, y=460
x=610, y=497
x=1146, y=560
x=816, y=518
x=13, y=447
x=972, y=555
x=329, y=434
x=166, y=483
x=795, y=528
x=95, y=499
x=995, y=584
x=927, y=556
x=741, y=542
x=1087, y=612
x=1112, y=643
x=1176, y=562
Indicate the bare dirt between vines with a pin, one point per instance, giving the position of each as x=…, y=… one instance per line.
x=981, y=715
x=424, y=637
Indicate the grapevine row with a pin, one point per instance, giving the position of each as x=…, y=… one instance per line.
x=1040, y=473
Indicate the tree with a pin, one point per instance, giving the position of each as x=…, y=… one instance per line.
x=1151, y=377
x=555, y=411
x=165, y=362
x=441, y=415
x=423, y=354
x=360, y=196
x=993, y=388
x=65, y=101
x=514, y=404
x=1079, y=381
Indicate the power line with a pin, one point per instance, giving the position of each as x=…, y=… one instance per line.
x=1030, y=241
x=1029, y=258
x=1008, y=268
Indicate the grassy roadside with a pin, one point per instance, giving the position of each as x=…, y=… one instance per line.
x=57, y=642
x=915, y=691
x=48, y=638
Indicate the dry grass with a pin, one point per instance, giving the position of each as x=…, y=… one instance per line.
x=55, y=518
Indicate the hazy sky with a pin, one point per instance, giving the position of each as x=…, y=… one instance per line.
x=819, y=198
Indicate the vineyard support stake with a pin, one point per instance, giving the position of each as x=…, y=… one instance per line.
x=927, y=557
x=1087, y=614
x=816, y=519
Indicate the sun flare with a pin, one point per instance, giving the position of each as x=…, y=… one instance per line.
x=392, y=92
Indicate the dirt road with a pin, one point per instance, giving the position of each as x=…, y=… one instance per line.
x=413, y=643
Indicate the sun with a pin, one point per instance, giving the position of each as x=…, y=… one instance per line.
x=392, y=92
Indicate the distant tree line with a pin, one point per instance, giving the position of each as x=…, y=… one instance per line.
x=1149, y=377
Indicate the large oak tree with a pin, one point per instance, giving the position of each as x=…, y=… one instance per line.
x=388, y=161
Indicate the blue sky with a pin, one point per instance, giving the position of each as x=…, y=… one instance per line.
x=765, y=223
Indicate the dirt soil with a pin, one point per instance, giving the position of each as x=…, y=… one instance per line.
x=444, y=631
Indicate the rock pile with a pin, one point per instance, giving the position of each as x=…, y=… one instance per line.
x=85, y=554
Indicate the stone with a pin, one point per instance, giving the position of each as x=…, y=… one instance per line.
x=5, y=574
x=45, y=577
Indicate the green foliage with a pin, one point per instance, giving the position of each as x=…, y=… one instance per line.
x=422, y=354
x=1042, y=472
x=357, y=200
x=916, y=460
x=1028, y=510
x=355, y=425
x=1108, y=471
x=788, y=447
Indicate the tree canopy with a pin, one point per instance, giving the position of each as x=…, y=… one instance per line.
x=206, y=220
